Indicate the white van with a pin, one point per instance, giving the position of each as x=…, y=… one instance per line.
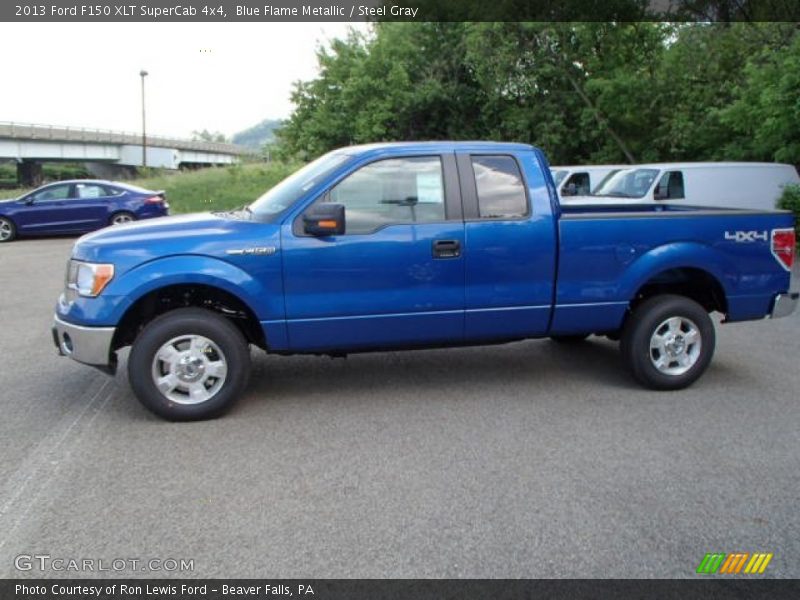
x=580, y=181
x=720, y=184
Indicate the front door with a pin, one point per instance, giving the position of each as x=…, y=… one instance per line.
x=396, y=276
x=48, y=210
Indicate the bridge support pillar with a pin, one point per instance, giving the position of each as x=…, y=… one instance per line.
x=29, y=173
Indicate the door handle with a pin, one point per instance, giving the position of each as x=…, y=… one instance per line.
x=446, y=249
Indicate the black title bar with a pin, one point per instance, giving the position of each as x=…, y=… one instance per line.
x=402, y=589
x=398, y=10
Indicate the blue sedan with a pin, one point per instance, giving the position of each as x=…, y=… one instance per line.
x=79, y=206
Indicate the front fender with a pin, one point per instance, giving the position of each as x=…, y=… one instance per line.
x=263, y=295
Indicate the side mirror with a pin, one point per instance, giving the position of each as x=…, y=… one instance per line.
x=324, y=219
x=659, y=194
x=570, y=190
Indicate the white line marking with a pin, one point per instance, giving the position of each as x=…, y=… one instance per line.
x=19, y=493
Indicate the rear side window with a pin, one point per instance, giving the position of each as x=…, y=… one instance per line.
x=501, y=192
x=89, y=190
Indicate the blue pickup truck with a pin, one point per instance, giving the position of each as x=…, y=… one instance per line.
x=414, y=245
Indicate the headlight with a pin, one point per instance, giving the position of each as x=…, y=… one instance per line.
x=88, y=279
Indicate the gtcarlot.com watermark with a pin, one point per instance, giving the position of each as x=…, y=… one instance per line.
x=47, y=563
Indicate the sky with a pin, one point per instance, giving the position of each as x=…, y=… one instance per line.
x=216, y=76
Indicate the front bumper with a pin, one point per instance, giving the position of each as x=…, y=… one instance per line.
x=785, y=304
x=89, y=345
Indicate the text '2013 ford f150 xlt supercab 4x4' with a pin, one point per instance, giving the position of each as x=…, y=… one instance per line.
x=414, y=245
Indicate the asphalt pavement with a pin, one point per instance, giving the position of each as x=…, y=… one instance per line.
x=523, y=460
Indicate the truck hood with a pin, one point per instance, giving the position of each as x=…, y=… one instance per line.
x=205, y=234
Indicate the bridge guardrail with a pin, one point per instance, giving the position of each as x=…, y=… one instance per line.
x=33, y=131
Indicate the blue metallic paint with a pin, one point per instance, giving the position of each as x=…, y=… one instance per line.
x=77, y=215
x=558, y=271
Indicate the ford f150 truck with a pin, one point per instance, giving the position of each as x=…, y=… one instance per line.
x=414, y=245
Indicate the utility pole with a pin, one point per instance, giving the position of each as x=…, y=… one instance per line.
x=143, y=74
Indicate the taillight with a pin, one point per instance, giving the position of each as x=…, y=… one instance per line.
x=154, y=200
x=782, y=246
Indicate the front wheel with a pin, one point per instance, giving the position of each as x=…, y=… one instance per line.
x=189, y=364
x=668, y=342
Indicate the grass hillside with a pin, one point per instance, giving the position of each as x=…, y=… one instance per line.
x=216, y=188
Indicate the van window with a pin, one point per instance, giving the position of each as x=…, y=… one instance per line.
x=627, y=183
x=670, y=186
x=558, y=176
x=577, y=185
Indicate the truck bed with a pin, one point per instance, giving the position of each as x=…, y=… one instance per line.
x=609, y=252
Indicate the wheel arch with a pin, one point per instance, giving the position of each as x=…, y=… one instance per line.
x=165, y=298
x=689, y=269
x=692, y=282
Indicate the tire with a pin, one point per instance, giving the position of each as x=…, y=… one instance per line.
x=121, y=217
x=569, y=339
x=668, y=342
x=201, y=360
x=8, y=231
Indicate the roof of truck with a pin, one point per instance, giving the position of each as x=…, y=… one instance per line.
x=443, y=146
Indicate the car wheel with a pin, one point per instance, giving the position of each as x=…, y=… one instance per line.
x=7, y=230
x=189, y=364
x=120, y=218
x=668, y=342
x=569, y=339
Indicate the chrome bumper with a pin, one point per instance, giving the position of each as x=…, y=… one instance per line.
x=89, y=345
x=784, y=305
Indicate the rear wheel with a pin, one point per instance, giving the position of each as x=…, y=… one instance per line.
x=122, y=217
x=7, y=230
x=668, y=342
x=189, y=364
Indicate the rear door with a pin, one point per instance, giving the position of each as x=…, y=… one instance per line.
x=396, y=276
x=510, y=248
x=90, y=206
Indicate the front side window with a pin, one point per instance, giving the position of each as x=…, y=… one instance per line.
x=54, y=192
x=670, y=186
x=391, y=191
x=577, y=185
x=501, y=192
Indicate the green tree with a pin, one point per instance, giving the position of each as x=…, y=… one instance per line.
x=207, y=136
x=765, y=115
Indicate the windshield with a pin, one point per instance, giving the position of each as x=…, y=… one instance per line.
x=287, y=192
x=627, y=183
x=558, y=176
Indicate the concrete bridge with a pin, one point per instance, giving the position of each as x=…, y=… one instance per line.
x=106, y=153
